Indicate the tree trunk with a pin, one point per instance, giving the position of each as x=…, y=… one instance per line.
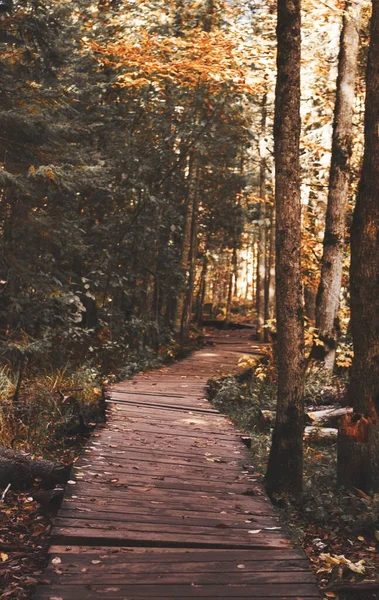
x=191, y=268
x=328, y=295
x=209, y=16
x=270, y=279
x=358, y=446
x=261, y=263
x=254, y=259
x=201, y=291
x=186, y=242
x=285, y=467
x=229, y=296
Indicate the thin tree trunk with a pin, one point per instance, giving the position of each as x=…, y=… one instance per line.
x=285, y=468
x=178, y=18
x=209, y=16
x=254, y=270
x=247, y=271
x=186, y=243
x=201, y=291
x=191, y=267
x=229, y=295
x=358, y=445
x=261, y=266
x=235, y=272
x=270, y=279
x=328, y=295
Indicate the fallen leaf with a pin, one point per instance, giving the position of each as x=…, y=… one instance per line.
x=56, y=561
x=3, y=556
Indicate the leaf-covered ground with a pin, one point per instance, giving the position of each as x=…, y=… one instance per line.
x=338, y=529
x=24, y=540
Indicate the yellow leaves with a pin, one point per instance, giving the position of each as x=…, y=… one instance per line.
x=333, y=560
x=247, y=361
x=3, y=556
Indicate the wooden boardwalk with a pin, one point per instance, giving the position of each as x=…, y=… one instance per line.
x=163, y=502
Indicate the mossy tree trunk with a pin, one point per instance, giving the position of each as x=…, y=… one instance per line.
x=285, y=467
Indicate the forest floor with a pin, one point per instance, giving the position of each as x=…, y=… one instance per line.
x=338, y=528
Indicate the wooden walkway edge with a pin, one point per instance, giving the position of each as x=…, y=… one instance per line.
x=163, y=503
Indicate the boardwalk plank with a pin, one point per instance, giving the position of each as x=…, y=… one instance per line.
x=178, y=591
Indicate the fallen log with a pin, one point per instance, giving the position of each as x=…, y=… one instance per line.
x=327, y=417
x=320, y=433
x=20, y=470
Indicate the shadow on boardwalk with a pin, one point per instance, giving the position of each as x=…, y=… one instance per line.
x=163, y=503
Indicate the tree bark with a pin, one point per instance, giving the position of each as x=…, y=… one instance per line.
x=201, y=290
x=358, y=446
x=186, y=242
x=209, y=16
x=187, y=317
x=261, y=263
x=328, y=295
x=285, y=468
x=270, y=279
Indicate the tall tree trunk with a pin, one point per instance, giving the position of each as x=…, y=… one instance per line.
x=178, y=18
x=261, y=266
x=358, y=444
x=328, y=295
x=191, y=267
x=247, y=271
x=209, y=16
x=232, y=279
x=201, y=290
x=254, y=257
x=270, y=278
x=186, y=242
x=285, y=467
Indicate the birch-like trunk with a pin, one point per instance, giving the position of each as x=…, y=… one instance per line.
x=328, y=296
x=261, y=263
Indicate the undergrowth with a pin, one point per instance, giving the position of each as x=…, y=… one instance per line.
x=330, y=522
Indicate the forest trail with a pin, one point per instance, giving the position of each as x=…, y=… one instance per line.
x=164, y=504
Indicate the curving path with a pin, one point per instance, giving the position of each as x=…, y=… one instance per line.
x=163, y=502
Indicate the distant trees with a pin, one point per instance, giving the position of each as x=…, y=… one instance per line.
x=285, y=467
x=120, y=168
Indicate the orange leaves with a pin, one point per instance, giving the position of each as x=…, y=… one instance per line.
x=199, y=59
